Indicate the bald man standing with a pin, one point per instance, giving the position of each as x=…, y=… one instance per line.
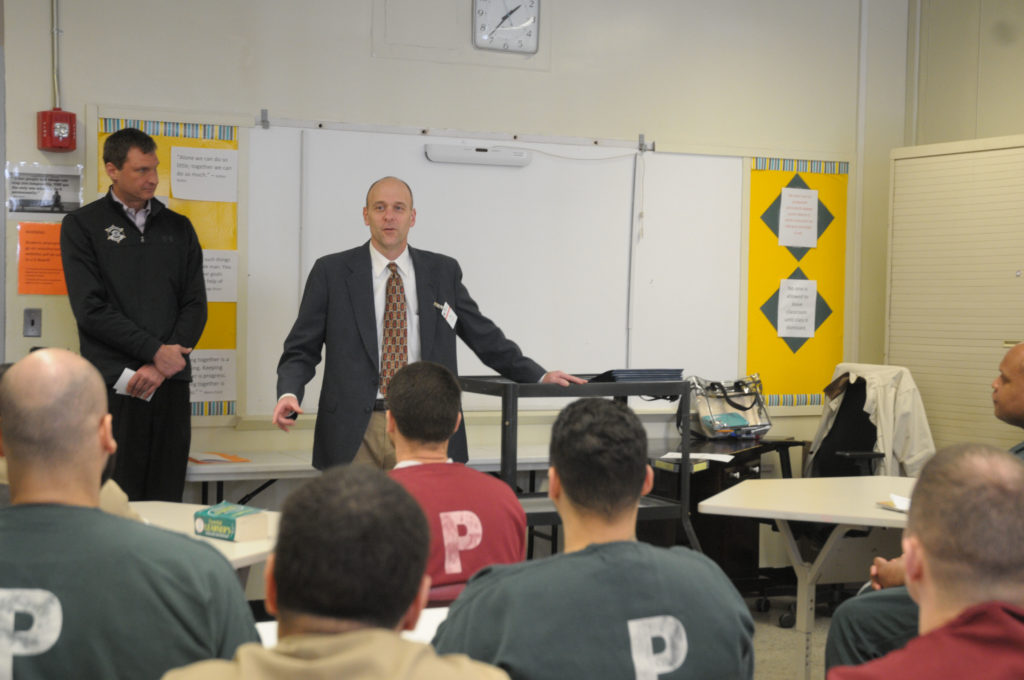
x=374, y=309
x=83, y=593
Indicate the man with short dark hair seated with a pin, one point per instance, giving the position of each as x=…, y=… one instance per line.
x=963, y=557
x=475, y=519
x=84, y=594
x=346, y=576
x=609, y=606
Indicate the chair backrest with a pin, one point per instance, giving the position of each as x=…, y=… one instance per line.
x=893, y=404
x=851, y=431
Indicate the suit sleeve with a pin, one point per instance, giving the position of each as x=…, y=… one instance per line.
x=192, y=308
x=90, y=299
x=304, y=345
x=487, y=340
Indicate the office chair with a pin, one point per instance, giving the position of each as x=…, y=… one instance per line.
x=883, y=399
x=873, y=423
x=847, y=449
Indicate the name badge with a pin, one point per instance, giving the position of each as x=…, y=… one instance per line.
x=448, y=314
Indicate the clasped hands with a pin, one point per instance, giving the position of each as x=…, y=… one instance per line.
x=887, y=573
x=168, y=360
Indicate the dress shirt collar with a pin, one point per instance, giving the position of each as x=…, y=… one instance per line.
x=137, y=216
x=379, y=263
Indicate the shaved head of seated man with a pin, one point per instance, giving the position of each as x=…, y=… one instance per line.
x=475, y=519
x=963, y=556
x=84, y=593
x=112, y=498
x=871, y=625
x=609, y=606
x=346, y=576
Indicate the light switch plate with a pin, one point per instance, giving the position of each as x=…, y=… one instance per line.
x=33, y=323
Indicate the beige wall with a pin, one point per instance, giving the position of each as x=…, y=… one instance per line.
x=794, y=78
x=972, y=57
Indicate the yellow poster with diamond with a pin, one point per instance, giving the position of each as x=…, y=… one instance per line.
x=796, y=276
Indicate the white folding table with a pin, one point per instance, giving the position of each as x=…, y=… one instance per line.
x=846, y=502
x=179, y=517
x=258, y=465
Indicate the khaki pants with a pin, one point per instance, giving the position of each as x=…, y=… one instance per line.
x=376, y=450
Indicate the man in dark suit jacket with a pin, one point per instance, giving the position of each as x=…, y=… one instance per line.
x=342, y=308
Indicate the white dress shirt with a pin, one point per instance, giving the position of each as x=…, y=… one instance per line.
x=137, y=216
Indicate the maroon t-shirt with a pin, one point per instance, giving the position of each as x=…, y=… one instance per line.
x=475, y=519
x=984, y=641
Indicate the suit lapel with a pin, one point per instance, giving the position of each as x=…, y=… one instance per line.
x=426, y=295
x=360, y=290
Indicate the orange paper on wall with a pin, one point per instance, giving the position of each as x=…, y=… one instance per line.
x=40, y=271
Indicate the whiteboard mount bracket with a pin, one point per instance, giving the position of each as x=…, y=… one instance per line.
x=643, y=145
x=264, y=119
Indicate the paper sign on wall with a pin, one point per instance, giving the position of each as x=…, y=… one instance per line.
x=32, y=187
x=213, y=375
x=797, y=301
x=204, y=174
x=220, y=269
x=798, y=218
x=40, y=270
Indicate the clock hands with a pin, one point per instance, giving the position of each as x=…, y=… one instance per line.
x=503, y=20
x=522, y=25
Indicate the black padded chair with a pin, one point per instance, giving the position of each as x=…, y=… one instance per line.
x=848, y=448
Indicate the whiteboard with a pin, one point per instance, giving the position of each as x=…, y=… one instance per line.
x=547, y=250
x=686, y=299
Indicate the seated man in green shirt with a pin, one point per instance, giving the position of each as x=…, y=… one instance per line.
x=609, y=606
x=85, y=594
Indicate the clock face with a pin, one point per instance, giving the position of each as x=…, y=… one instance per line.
x=506, y=25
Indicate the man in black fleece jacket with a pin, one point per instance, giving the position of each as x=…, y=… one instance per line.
x=134, y=271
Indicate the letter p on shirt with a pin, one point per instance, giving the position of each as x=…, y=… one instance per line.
x=461, y=530
x=47, y=618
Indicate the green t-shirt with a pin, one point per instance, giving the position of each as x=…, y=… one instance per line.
x=612, y=610
x=97, y=596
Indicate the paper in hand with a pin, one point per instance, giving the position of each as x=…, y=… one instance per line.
x=121, y=386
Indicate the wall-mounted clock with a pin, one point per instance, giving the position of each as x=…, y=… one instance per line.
x=506, y=25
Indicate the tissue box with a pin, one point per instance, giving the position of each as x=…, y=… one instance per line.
x=231, y=522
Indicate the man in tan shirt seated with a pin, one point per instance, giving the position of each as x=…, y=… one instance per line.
x=347, y=575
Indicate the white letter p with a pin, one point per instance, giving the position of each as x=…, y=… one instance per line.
x=642, y=633
x=47, y=619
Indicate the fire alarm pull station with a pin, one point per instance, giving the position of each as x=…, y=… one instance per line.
x=56, y=130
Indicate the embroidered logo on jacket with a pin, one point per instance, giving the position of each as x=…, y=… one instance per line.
x=115, y=233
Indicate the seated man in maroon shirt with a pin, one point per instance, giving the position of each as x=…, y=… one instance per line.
x=963, y=554
x=475, y=519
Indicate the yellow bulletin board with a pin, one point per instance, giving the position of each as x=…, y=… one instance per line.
x=794, y=370
x=216, y=223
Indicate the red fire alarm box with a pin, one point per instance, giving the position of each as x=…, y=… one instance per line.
x=56, y=130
